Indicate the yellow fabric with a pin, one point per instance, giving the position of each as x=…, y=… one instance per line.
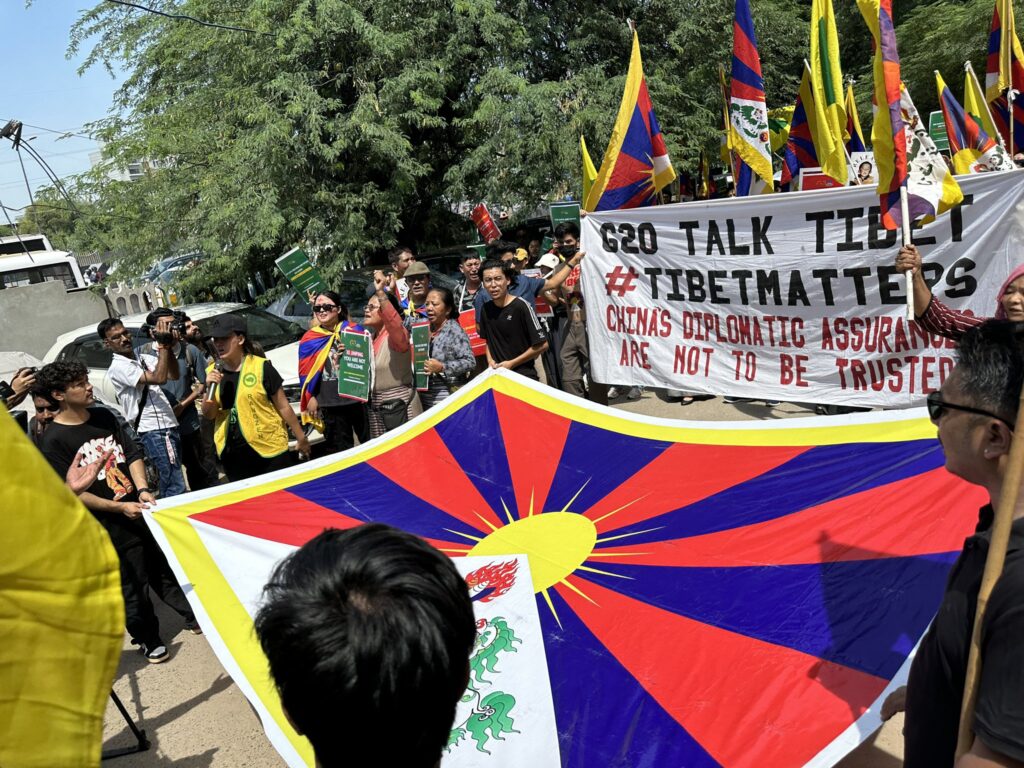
x=827, y=77
x=589, y=171
x=851, y=112
x=258, y=419
x=61, y=615
x=779, y=121
x=1008, y=46
x=976, y=106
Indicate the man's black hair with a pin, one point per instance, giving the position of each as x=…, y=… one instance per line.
x=106, y=324
x=990, y=366
x=467, y=255
x=58, y=376
x=499, y=247
x=505, y=266
x=567, y=228
x=157, y=313
x=368, y=632
x=396, y=253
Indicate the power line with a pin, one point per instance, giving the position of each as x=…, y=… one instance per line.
x=69, y=132
x=183, y=17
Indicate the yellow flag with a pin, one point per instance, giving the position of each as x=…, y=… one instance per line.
x=831, y=158
x=976, y=106
x=827, y=81
x=589, y=171
x=61, y=615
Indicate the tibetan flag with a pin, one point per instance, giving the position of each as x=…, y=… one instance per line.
x=779, y=120
x=888, y=138
x=800, y=151
x=589, y=171
x=636, y=165
x=971, y=148
x=976, y=105
x=827, y=82
x=748, y=124
x=748, y=183
x=1005, y=69
x=853, y=130
x=660, y=560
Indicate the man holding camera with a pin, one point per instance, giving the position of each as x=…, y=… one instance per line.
x=183, y=392
x=137, y=380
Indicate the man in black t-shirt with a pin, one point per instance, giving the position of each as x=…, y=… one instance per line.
x=82, y=433
x=509, y=325
x=975, y=412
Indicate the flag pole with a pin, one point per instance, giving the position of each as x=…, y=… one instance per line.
x=907, y=240
x=1009, y=102
x=1001, y=526
x=992, y=121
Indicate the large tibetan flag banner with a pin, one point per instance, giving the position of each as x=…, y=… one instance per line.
x=888, y=138
x=1004, y=70
x=706, y=594
x=748, y=115
x=827, y=82
x=853, y=129
x=972, y=149
x=636, y=165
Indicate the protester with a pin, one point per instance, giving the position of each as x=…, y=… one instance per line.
x=470, y=284
x=364, y=629
x=975, y=411
x=936, y=317
x=341, y=420
x=575, y=354
x=508, y=323
x=533, y=248
x=21, y=384
x=80, y=434
x=247, y=404
x=393, y=401
x=401, y=258
x=528, y=288
x=451, y=358
x=46, y=409
x=417, y=277
x=137, y=381
x=183, y=393
x=194, y=336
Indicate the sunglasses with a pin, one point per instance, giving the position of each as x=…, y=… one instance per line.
x=936, y=406
x=324, y=308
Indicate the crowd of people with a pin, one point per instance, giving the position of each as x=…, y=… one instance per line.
x=194, y=410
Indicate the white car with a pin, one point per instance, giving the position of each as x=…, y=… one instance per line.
x=279, y=339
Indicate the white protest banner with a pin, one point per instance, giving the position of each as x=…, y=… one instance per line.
x=791, y=296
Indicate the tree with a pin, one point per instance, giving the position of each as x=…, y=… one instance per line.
x=350, y=125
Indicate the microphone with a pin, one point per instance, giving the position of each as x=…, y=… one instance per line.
x=211, y=393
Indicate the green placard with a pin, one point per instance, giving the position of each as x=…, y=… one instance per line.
x=480, y=249
x=420, y=354
x=300, y=272
x=937, y=130
x=564, y=212
x=355, y=366
x=547, y=243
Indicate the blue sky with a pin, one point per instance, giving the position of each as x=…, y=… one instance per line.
x=41, y=88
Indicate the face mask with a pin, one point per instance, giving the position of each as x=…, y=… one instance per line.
x=568, y=251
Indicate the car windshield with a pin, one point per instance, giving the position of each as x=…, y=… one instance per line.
x=264, y=328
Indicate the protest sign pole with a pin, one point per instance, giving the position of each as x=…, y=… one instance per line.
x=907, y=240
x=1001, y=526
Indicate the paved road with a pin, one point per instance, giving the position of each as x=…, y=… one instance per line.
x=195, y=717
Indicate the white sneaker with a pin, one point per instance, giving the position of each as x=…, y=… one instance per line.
x=634, y=393
x=613, y=392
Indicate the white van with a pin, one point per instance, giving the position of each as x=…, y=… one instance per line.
x=30, y=259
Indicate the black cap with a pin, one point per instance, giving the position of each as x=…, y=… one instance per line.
x=157, y=313
x=226, y=325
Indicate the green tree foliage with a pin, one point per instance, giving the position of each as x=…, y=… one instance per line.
x=350, y=125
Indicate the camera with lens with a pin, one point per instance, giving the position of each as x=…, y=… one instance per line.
x=178, y=324
x=152, y=333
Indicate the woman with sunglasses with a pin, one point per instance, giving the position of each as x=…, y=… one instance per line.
x=936, y=317
x=341, y=420
x=392, y=399
x=451, y=358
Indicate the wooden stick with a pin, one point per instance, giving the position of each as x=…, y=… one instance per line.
x=1001, y=527
x=907, y=240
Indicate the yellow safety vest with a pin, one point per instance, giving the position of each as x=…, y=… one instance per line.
x=260, y=423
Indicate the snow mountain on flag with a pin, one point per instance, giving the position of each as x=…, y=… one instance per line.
x=708, y=594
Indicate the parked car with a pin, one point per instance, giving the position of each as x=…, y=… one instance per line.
x=279, y=339
x=352, y=286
